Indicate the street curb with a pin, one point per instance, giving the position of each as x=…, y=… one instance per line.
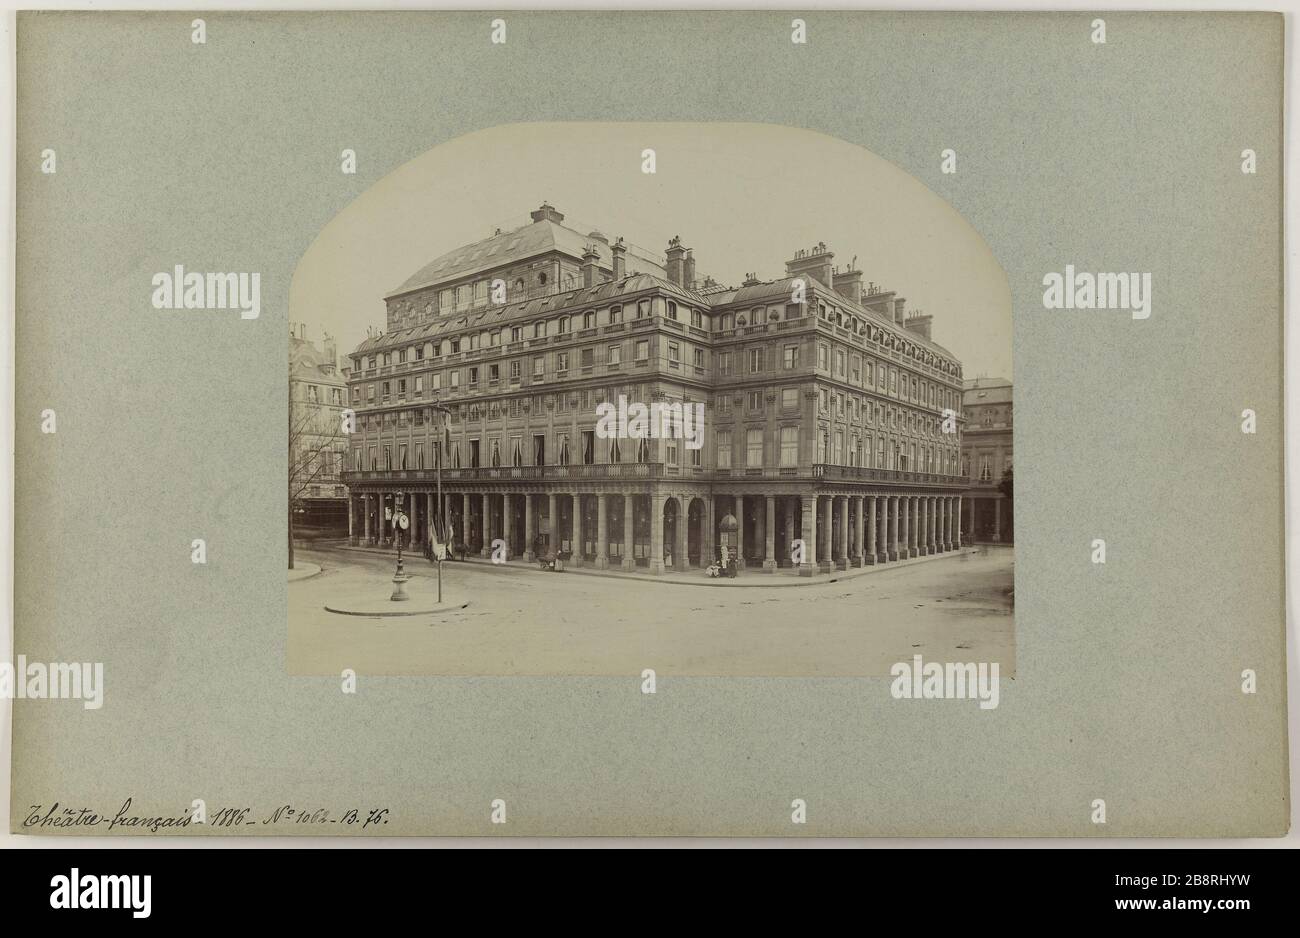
x=306, y=576
x=758, y=580
x=397, y=615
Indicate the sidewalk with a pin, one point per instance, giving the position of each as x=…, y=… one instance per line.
x=749, y=577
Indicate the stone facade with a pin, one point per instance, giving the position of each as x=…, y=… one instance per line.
x=986, y=460
x=824, y=409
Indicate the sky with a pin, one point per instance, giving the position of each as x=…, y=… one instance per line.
x=743, y=196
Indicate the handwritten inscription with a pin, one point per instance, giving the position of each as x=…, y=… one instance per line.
x=56, y=815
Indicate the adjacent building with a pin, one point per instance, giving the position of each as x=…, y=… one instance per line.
x=986, y=460
x=832, y=429
x=317, y=443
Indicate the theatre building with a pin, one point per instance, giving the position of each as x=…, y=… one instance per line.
x=824, y=444
x=986, y=461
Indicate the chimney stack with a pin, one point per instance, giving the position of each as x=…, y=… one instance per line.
x=814, y=261
x=848, y=284
x=331, y=351
x=688, y=273
x=900, y=308
x=676, y=260
x=919, y=324
x=546, y=212
x=619, y=250
x=589, y=259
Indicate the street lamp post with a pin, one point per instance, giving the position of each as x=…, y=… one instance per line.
x=442, y=521
x=400, y=523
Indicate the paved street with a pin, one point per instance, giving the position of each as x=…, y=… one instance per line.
x=521, y=621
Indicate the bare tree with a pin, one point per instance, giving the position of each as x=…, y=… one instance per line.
x=314, y=432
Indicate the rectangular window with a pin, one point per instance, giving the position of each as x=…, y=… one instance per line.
x=724, y=449
x=588, y=447
x=789, y=398
x=789, y=446
x=790, y=357
x=754, y=448
x=494, y=373
x=562, y=362
x=473, y=454
x=674, y=352
x=755, y=360
x=643, y=350
x=516, y=370
x=699, y=358
x=473, y=375
x=588, y=357
x=615, y=355
x=539, y=367
x=724, y=363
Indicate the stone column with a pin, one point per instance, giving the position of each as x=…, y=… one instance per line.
x=352, y=539
x=905, y=531
x=656, y=533
x=914, y=526
x=486, y=524
x=923, y=516
x=629, y=562
x=918, y=527
x=900, y=526
x=859, y=532
x=529, y=534
x=579, y=535
x=892, y=518
x=997, y=520
x=508, y=524
x=792, y=533
x=842, y=560
x=809, y=534
x=682, y=555
x=365, y=518
x=464, y=518
x=769, y=559
x=825, y=563
x=740, y=532
x=871, y=532
x=552, y=525
x=708, y=550
x=956, y=535
x=602, y=534
x=430, y=516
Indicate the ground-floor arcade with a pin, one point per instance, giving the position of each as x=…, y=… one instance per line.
x=671, y=529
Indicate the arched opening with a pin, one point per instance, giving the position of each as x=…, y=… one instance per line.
x=695, y=532
x=672, y=536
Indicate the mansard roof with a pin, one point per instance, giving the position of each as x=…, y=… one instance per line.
x=510, y=247
x=537, y=308
x=781, y=290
